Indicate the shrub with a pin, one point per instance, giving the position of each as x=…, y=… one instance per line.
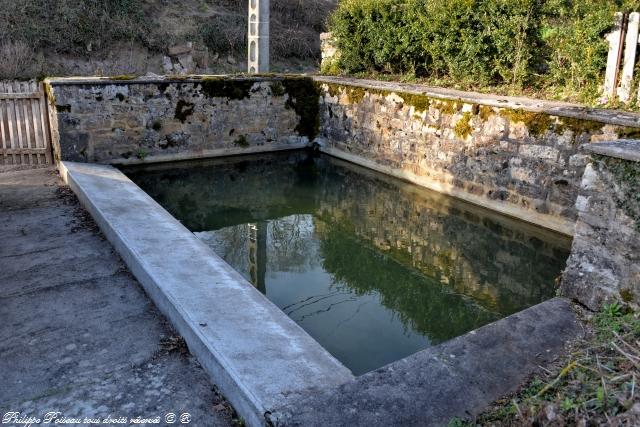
x=16, y=60
x=541, y=43
x=224, y=34
x=485, y=41
x=77, y=27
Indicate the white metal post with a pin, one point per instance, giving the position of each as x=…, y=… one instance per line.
x=258, y=55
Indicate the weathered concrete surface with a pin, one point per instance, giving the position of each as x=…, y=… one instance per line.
x=78, y=334
x=604, y=265
x=625, y=149
x=258, y=355
x=458, y=378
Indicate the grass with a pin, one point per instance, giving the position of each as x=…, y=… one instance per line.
x=594, y=385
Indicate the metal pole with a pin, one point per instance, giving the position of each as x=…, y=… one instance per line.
x=258, y=55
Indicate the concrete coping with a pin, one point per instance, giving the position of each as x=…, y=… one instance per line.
x=554, y=108
x=625, y=149
x=253, y=352
x=156, y=79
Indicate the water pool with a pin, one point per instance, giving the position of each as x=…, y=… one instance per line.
x=372, y=267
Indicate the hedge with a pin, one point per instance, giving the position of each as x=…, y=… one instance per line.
x=542, y=43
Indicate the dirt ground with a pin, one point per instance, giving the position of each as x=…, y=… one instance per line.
x=78, y=335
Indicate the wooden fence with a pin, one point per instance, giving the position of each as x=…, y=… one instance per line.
x=621, y=61
x=24, y=124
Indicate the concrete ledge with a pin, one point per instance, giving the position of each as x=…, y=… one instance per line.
x=458, y=378
x=256, y=355
x=557, y=224
x=207, y=154
x=191, y=78
x=625, y=149
x=554, y=108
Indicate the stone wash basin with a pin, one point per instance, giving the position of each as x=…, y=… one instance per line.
x=373, y=268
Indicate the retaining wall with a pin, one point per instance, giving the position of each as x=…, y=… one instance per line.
x=604, y=265
x=120, y=120
x=521, y=157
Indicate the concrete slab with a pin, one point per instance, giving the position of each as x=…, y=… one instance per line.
x=458, y=378
x=257, y=355
x=78, y=334
x=625, y=149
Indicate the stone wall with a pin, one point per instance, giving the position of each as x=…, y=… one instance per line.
x=604, y=265
x=130, y=121
x=519, y=157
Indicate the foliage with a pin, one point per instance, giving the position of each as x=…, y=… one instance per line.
x=77, y=27
x=123, y=36
x=466, y=39
x=552, y=45
x=595, y=385
x=16, y=60
x=223, y=35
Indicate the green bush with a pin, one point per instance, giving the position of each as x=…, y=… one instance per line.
x=555, y=44
x=482, y=41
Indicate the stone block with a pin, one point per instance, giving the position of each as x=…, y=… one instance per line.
x=539, y=152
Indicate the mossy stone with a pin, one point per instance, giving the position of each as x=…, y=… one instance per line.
x=214, y=87
x=241, y=141
x=537, y=123
x=304, y=98
x=463, y=127
x=183, y=110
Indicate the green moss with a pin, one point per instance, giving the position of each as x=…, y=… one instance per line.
x=334, y=90
x=626, y=295
x=48, y=89
x=355, y=94
x=183, y=110
x=304, y=98
x=420, y=103
x=628, y=132
x=537, y=123
x=63, y=108
x=241, y=141
x=446, y=106
x=141, y=154
x=124, y=77
x=331, y=68
x=485, y=112
x=222, y=87
x=277, y=89
x=579, y=126
x=463, y=127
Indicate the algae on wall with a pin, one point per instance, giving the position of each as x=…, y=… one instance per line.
x=304, y=98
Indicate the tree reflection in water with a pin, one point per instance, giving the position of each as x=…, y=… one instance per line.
x=372, y=267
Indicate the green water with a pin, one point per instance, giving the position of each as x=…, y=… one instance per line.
x=373, y=268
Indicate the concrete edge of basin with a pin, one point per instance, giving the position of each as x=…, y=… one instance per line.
x=208, y=154
x=458, y=378
x=256, y=355
x=559, y=225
